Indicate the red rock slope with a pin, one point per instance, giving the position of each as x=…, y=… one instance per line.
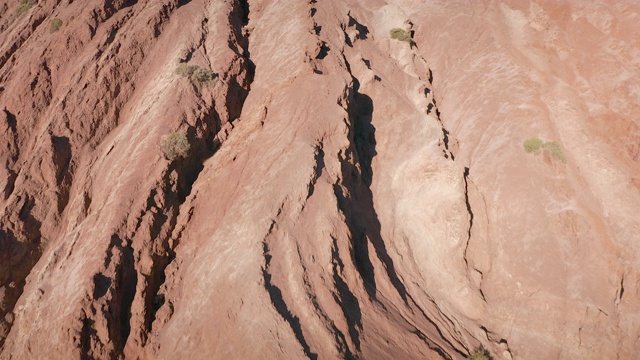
x=346, y=195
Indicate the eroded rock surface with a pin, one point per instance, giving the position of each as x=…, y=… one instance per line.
x=345, y=195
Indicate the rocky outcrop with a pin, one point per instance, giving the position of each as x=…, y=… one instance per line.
x=345, y=194
x=558, y=259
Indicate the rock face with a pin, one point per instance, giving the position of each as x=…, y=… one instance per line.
x=345, y=194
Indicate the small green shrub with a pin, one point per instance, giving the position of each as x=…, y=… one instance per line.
x=175, y=145
x=480, y=354
x=186, y=70
x=535, y=145
x=202, y=76
x=196, y=74
x=24, y=6
x=400, y=34
x=532, y=145
x=55, y=25
x=554, y=149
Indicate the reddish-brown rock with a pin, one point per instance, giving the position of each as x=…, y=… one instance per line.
x=345, y=195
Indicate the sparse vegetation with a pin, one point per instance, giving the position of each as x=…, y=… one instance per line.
x=185, y=69
x=480, y=354
x=24, y=6
x=400, y=34
x=535, y=145
x=202, y=76
x=175, y=145
x=196, y=74
x=554, y=149
x=55, y=25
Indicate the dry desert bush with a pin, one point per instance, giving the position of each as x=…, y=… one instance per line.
x=175, y=145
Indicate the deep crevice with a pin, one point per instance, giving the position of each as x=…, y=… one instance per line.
x=429, y=342
x=469, y=211
x=357, y=203
x=323, y=51
x=339, y=338
x=20, y=250
x=431, y=345
x=13, y=152
x=11, y=181
x=620, y=292
x=445, y=133
x=317, y=170
x=275, y=294
x=347, y=300
x=64, y=167
x=124, y=294
x=101, y=285
x=86, y=335
x=17, y=258
x=244, y=8
x=239, y=90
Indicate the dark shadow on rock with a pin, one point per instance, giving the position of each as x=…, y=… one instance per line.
x=323, y=52
x=129, y=3
x=445, y=138
x=364, y=133
x=362, y=30
x=11, y=151
x=20, y=250
x=277, y=300
x=349, y=302
x=317, y=169
x=358, y=205
x=61, y=158
x=244, y=6
x=360, y=251
x=11, y=182
x=124, y=291
x=31, y=227
x=347, y=40
x=11, y=120
x=429, y=108
x=101, y=285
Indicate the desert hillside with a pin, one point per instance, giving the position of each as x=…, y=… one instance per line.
x=319, y=179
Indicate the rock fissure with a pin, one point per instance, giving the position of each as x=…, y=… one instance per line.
x=469, y=212
x=432, y=344
x=341, y=342
x=317, y=170
x=277, y=300
x=356, y=201
x=21, y=250
x=347, y=300
x=116, y=293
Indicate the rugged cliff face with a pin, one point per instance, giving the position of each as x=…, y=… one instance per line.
x=345, y=194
